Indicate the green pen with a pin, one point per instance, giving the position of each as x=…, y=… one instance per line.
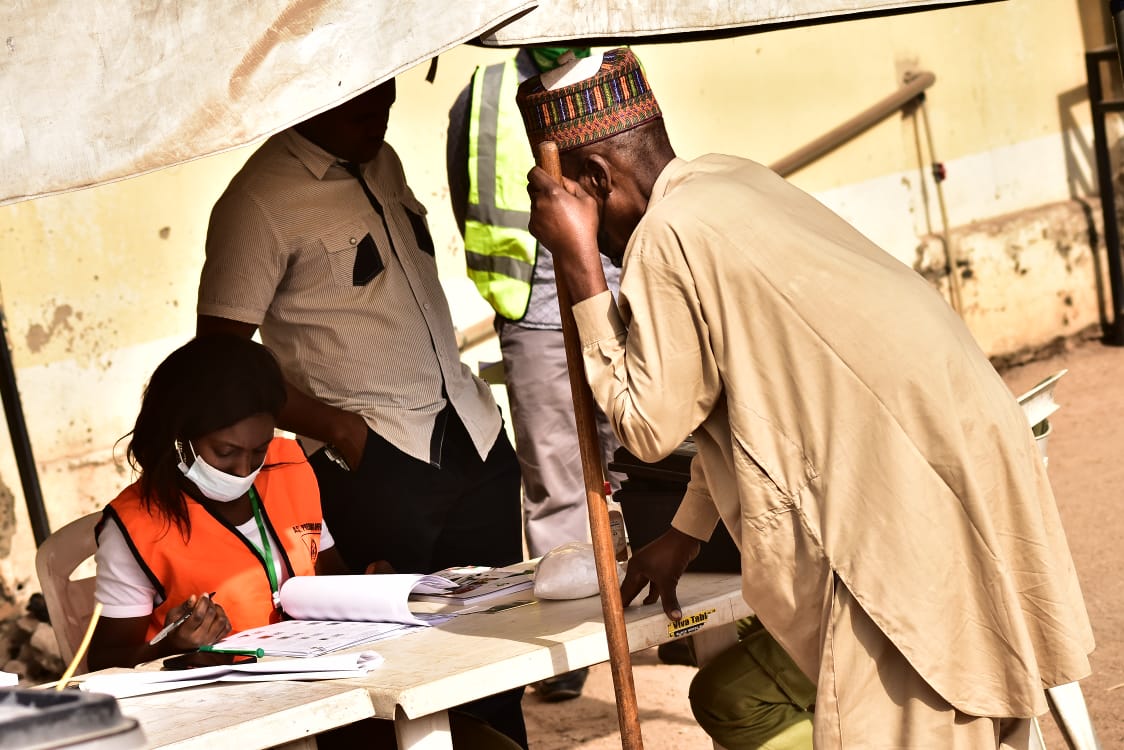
x=258, y=652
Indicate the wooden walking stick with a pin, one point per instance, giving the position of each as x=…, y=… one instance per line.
x=620, y=658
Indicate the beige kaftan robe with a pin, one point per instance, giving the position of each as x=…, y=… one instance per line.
x=849, y=430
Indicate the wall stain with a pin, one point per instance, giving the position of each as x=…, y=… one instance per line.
x=39, y=336
x=7, y=519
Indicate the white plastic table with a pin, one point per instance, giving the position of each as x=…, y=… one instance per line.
x=428, y=672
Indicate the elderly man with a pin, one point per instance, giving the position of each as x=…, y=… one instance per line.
x=898, y=534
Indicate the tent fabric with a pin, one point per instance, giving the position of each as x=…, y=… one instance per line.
x=555, y=20
x=100, y=90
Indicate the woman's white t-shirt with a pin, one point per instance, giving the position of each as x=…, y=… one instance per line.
x=125, y=591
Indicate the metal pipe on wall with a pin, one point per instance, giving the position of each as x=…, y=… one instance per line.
x=913, y=87
x=21, y=443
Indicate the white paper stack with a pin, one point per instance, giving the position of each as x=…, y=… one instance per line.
x=127, y=684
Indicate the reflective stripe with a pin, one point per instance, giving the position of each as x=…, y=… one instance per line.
x=496, y=216
x=501, y=264
x=500, y=253
x=486, y=211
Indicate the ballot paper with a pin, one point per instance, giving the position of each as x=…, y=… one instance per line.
x=307, y=638
x=127, y=684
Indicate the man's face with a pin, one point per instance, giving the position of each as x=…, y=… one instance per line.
x=355, y=130
x=615, y=219
x=613, y=233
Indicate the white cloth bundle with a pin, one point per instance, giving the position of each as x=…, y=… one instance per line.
x=568, y=572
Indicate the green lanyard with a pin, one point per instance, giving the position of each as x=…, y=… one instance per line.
x=266, y=549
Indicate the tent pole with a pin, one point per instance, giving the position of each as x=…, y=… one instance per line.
x=21, y=443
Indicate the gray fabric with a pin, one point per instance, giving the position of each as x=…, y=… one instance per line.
x=542, y=413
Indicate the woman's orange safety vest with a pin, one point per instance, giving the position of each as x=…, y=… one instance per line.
x=216, y=557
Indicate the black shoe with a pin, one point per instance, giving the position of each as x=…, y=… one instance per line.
x=562, y=687
x=677, y=652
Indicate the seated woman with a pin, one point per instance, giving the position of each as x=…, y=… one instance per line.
x=222, y=512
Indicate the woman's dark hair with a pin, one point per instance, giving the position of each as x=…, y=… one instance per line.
x=208, y=384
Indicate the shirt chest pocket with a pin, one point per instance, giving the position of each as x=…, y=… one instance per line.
x=353, y=257
x=415, y=212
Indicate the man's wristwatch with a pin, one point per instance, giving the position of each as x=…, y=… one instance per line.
x=335, y=456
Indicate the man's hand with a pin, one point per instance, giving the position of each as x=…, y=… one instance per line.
x=380, y=567
x=660, y=565
x=564, y=218
x=349, y=436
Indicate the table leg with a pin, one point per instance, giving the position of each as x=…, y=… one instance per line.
x=423, y=733
x=710, y=643
x=305, y=743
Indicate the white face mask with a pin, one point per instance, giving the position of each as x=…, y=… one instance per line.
x=215, y=483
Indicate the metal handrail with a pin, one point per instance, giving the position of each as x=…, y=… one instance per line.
x=913, y=88
x=911, y=93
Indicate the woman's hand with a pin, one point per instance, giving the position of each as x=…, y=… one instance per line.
x=206, y=624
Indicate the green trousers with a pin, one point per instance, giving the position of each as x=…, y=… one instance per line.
x=752, y=695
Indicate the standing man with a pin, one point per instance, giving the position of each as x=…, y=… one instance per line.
x=487, y=160
x=319, y=241
x=898, y=534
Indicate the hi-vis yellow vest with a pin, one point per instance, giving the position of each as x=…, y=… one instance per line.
x=499, y=251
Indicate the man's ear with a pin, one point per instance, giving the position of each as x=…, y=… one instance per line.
x=598, y=174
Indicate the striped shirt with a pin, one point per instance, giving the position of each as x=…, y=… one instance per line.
x=281, y=252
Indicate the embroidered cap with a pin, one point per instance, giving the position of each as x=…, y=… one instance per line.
x=582, y=102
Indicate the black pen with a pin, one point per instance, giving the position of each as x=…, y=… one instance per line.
x=173, y=625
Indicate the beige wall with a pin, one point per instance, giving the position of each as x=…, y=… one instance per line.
x=99, y=285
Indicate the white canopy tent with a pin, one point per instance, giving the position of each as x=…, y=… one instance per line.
x=613, y=19
x=102, y=90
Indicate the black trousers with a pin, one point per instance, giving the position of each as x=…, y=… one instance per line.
x=421, y=518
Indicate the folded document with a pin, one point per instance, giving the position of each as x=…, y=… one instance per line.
x=368, y=598
x=335, y=666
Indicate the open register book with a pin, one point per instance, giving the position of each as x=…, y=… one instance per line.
x=477, y=584
x=330, y=613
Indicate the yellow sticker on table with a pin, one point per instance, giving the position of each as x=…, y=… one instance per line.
x=689, y=624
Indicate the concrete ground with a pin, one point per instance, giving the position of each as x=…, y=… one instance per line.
x=1085, y=450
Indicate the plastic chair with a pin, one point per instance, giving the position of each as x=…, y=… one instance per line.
x=1067, y=702
x=70, y=602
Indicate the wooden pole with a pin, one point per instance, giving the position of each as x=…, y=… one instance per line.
x=620, y=658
